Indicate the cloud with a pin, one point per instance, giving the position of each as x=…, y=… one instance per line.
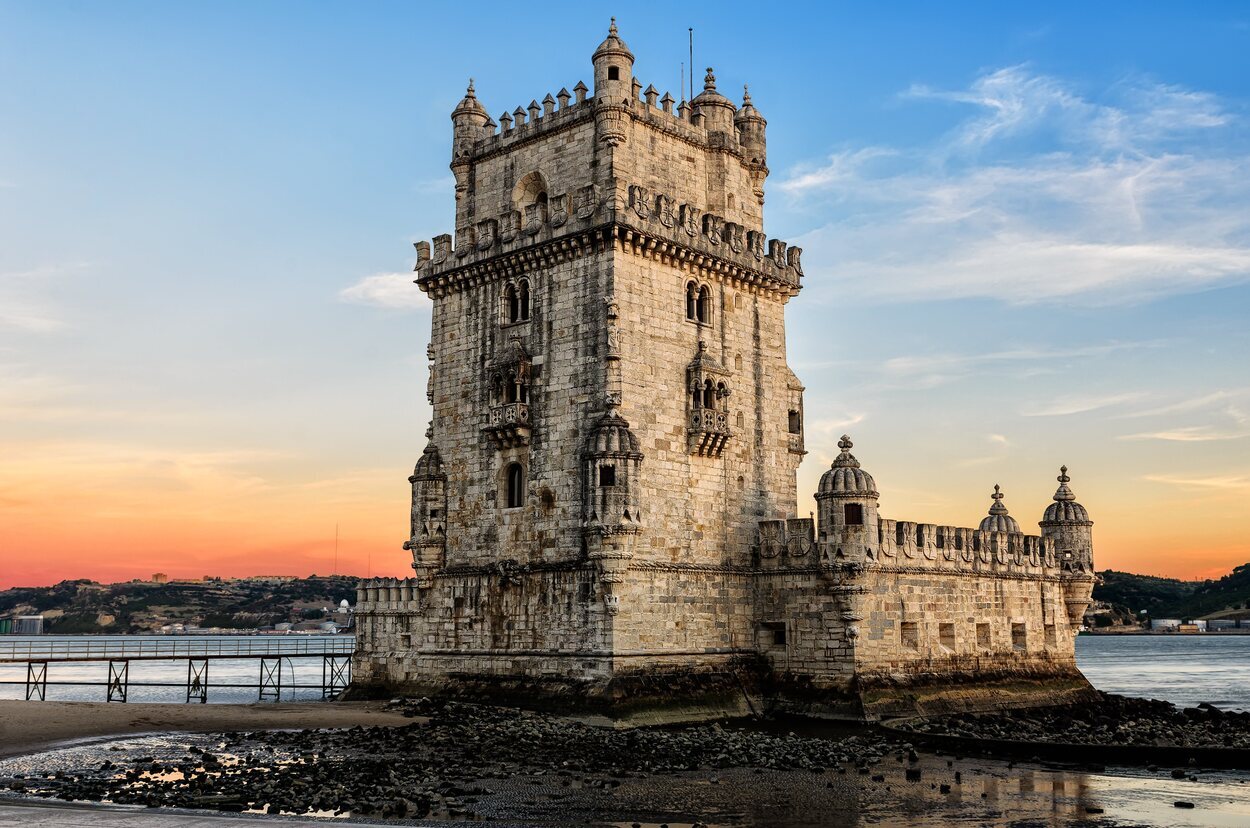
x=386, y=290
x=1038, y=195
x=1066, y=406
x=1224, y=482
x=961, y=363
x=26, y=303
x=1193, y=404
x=1201, y=433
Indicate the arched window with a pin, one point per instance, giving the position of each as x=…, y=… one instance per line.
x=741, y=421
x=703, y=310
x=513, y=390
x=722, y=394
x=511, y=303
x=496, y=390
x=709, y=394
x=523, y=298
x=697, y=395
x=692, y=299
x=731, y=201
x=516, y=486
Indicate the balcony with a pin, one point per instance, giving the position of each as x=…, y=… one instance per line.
x=508, y=425
x=708, y=432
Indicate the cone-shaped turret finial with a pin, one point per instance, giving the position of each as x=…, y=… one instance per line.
x=998, y=508
x=1064, y=493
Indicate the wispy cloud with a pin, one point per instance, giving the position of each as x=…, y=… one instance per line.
x=1230, y=482
x=26, y=302
x=1039, y=195
x=386, y=290
x=1237, y=427
x=1192, y=404
x=1066, y=406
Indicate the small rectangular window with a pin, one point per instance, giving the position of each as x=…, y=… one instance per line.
x=607, y=476
x=946, y=634
x=614, y=73
x=910, y=634
x=773, y=634
x=1019, y=639
x=983, y=636
x=796, y=422
x=854, y=513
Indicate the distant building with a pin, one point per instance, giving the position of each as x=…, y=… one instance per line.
x=1165, y=624
x=28, y=625
x=271, y=579
x=160, y=578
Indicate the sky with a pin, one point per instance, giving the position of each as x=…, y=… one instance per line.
x=1026, y=232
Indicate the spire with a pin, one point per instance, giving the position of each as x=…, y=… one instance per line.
x=1064, y=493
x=469, y=104
x=709, y=81
x=845, y=460
x=998, y=508
x=613, y=45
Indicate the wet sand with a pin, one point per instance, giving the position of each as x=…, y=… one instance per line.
x=26, y=727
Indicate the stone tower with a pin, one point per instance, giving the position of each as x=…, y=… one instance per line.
x=613, y=411
x=1067, y=523
x=603, y=518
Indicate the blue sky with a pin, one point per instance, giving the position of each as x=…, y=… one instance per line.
x=1027, y=236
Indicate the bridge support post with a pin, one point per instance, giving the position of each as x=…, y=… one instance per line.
x=271, y=678
x=336, y=674
x=119, y=679
x=37, y=680
x=197, y=680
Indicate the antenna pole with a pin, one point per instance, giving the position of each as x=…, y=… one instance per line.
x=681, y=87
x=336, y=548
x=690, y=31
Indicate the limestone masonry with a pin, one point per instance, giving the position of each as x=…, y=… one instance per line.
x=603, y=520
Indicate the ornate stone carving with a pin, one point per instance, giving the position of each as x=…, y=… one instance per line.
x=638, y=202
x=587, y=202
x=664, y=210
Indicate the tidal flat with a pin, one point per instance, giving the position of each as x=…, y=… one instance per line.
x=453, y=763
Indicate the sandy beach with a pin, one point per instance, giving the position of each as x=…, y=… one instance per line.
x=26, y=727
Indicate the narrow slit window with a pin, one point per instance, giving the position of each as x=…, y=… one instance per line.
x=516, y=486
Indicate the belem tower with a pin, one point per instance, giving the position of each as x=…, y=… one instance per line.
x=603, y=520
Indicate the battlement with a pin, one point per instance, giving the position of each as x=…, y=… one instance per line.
x=650, y=223
x=787, y=543
x=523, y=124
x=381, y=594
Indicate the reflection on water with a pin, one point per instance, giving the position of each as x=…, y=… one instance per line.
x=1182, y=669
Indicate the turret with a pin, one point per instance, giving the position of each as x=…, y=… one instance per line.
x=998, y=520
x=612, y=498
x=751, y=126
x=428, y=535
x=469, y=120
x=847, y=504
x=614, y=68
x=1068, y=523
x=717, y=110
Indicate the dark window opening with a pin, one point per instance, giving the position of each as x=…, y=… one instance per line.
x=796, y=422
x=773, y=633
x=614, y=73
x=512, y=302
x=703, y=311
x=692, y=299
x=697, y=396
x=854, y=514
x=523, y=296
x=607, y=476
x=516, y=486
x=709, y=394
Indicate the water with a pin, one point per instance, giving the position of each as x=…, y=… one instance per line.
x=1182, y=669
x=298, y=666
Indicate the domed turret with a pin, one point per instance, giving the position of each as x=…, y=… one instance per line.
x=428, y=532
x=613, y=461
x=845, y=478
x=998, y=520
x=614, y=68
x=717, y=110
x=1065, y=509
x=1067, y=522
x=751, y=126
x=847, y=504
x=469, y=120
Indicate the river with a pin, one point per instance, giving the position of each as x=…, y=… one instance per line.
x=1183, y=669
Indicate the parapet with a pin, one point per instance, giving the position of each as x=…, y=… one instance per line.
x=653, y=223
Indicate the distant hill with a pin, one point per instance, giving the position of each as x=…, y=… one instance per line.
x=140, y=606
x=1169, y=598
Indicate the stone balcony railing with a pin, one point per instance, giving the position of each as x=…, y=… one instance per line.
x=382, y=594
x=708, y=432
x=509, y=424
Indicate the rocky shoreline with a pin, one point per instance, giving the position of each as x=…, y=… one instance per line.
x=457, y=761
x=1118, y=721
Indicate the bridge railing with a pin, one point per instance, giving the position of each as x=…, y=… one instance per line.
x=99, y=648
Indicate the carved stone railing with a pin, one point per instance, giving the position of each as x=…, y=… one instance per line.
x=382, y=594
x=509, y=424
x=708, y=432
